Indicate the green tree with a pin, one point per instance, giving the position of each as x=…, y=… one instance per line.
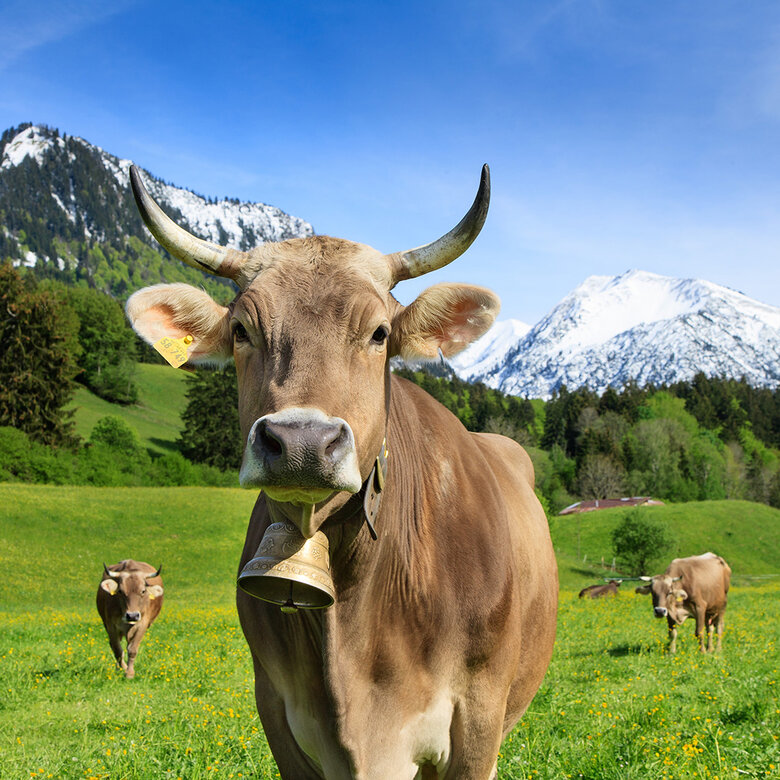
x=108, y=345
x=212, y=434
x=639, y=541
x=38, y=359
x=600, y=476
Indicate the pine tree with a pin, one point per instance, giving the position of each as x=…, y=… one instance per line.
x=39, y=337
x=212, y=434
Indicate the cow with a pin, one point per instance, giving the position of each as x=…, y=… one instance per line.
x=696, y=587
x=443, y=571
x=129, y=598
x=597, y=591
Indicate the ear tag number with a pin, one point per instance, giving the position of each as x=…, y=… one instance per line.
x=173, y=350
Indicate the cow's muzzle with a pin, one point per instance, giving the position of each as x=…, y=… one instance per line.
x=132, y=617
x=300, y=455
x=659, y=612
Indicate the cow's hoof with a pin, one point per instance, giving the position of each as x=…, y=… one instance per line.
x=130, y=673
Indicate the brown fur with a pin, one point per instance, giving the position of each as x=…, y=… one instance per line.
x=597, y=591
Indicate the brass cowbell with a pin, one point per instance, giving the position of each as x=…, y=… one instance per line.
x=289, y=570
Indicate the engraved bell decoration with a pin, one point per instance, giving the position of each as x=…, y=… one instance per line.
x=289, y=570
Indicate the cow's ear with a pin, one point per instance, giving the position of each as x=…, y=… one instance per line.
x=643, y=590
x=109, y=586
x=446, y=317
x=155, y=591
x=680, y=595
x=178, y=310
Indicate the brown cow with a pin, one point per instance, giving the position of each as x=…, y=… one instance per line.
x=129, y=598
x=597, y=591
x=695, y=587
x=443, y=572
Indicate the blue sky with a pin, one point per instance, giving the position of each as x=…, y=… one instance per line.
x=619, y=134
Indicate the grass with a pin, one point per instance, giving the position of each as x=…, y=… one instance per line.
x=614, y=704
x=156, y=416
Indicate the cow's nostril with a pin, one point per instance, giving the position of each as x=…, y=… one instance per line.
x=339, y=439
x=268, y=440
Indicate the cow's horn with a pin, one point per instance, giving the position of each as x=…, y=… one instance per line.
x=419, y=261
x=156, y=574
x=181, y=244
x=645, y=578
x=110, y=573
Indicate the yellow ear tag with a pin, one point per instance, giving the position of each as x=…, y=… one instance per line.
x=173, y=350
x=680, y=598
x=152, y=597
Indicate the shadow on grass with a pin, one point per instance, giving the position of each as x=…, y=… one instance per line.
x=165, y=444
x=623, y=650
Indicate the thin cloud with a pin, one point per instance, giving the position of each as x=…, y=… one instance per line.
x=26, y=26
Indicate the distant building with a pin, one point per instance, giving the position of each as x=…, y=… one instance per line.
x=609, y=503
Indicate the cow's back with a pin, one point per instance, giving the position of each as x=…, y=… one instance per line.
x=706, y=577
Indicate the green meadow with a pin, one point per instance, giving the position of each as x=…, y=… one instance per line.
x=156, y=417
x=614, y=704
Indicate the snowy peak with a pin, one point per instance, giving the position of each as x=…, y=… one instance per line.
x=227, y=222
x=30, y=142
x=484, y=354
x=640, y=326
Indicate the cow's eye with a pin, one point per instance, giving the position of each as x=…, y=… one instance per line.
x=239, y=332
x=379, y=336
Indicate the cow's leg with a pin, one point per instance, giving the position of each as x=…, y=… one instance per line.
x=292, y=762
x=720, y=621
x=672, y=636
x=133, y=644
x=476, y=740
x=115, y=641
x=710, y=632
x=700, y=621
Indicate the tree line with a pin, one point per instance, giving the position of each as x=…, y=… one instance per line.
x=710, y=438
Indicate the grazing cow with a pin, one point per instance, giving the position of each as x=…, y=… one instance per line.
x=129, y=598
x=597, y=591
x=443, y=573
x=695, y=587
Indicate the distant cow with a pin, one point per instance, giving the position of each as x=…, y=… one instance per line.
x=691, y=587
x=129, y=598
x=597, y=591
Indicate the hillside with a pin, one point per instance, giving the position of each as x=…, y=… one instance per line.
x=156, y=418
x=746, y=534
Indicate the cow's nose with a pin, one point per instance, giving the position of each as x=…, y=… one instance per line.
x=660, y=612
x=301, y=449
x=132, y=617
x=290, y=446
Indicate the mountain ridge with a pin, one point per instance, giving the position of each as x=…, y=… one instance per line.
x=67, y=211
x=638, y=326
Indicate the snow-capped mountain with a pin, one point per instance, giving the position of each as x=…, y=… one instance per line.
x=61, y=196
x=640, y=326
x=486, y=354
